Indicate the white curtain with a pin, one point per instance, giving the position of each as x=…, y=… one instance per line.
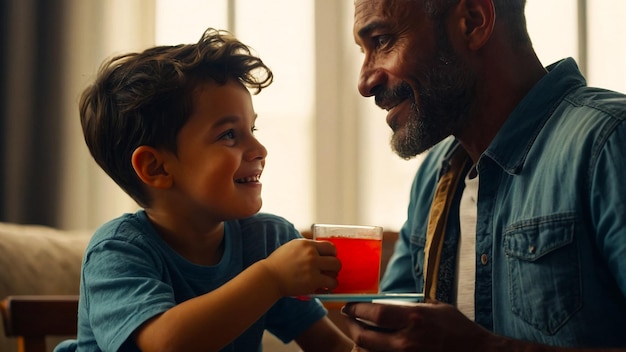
x=95, y=30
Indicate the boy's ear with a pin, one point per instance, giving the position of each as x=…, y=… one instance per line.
x=478, y=20
x=149, y=166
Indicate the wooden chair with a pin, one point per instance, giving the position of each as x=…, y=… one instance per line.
x=33, y=318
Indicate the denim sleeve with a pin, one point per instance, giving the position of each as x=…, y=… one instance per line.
x=398, y=277
x=608, y=200
x=66, y=346
x=404, y=272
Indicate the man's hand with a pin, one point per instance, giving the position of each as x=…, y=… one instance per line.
x=422, y=327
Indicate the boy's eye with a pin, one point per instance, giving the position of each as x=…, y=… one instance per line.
x=254, y=129
x=230, y=134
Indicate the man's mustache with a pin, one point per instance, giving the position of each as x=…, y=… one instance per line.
x=389, y=98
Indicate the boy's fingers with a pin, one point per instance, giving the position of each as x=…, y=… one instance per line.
x=325, y=248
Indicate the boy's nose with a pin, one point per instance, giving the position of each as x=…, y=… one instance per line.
x=257, y=150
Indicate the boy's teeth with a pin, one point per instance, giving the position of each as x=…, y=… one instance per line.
x=248, y=179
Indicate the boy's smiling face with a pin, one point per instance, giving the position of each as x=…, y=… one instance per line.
x=219, y=161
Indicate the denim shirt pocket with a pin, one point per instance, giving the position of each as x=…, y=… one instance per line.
x=544, y=271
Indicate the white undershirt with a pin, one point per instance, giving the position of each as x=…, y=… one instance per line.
x=466, y=263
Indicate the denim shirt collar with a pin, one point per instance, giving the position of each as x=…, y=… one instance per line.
x=527, y=119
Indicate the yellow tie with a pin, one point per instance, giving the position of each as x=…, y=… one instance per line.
x=437, y=220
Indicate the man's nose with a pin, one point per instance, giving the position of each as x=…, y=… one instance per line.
x=370, y=79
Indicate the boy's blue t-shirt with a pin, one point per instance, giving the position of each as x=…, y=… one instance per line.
x=130, y=274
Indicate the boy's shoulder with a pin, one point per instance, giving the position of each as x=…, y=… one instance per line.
x=265, y=222
x=126, y=227
x=266, y=217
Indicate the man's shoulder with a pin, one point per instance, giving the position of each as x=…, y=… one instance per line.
x=603, y=101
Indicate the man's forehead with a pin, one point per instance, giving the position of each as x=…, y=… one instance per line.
x=391, y=9
x=375, y=6
x=389, y=12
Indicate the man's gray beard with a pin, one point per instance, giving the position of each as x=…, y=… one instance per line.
x=444, y=108
x=421, y=132
x=412, y=139
x=445, y=98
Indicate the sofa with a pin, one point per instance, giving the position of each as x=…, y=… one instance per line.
x=38, y=260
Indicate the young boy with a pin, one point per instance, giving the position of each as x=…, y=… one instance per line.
x=197, y=269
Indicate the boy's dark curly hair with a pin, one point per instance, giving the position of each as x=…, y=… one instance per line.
x=145, y=98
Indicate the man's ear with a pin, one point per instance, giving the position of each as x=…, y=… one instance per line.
x=478, y=18
x=149, y=165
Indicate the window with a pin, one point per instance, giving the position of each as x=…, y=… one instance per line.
x=329, y=159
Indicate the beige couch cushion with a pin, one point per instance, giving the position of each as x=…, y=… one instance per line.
x=38, y=260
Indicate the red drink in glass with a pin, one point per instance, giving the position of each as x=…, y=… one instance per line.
x=359, y=248
x=360, y=264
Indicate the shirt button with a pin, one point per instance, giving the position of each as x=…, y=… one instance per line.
x=484, y=259
x=418, y=269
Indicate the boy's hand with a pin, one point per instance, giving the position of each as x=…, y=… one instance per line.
x=303, y=266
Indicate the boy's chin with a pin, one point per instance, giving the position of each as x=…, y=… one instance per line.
x=251, y=210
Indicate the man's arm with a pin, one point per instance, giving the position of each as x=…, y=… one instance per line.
x=432, y=327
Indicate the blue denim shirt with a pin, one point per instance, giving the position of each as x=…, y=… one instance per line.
x=551, y=221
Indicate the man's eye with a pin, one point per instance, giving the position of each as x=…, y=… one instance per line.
x=254, y=129
x=381, y=41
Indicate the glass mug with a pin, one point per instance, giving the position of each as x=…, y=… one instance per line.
x=359, y=248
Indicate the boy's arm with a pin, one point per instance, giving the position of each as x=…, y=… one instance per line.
x=324, y=336
x=213, y=320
